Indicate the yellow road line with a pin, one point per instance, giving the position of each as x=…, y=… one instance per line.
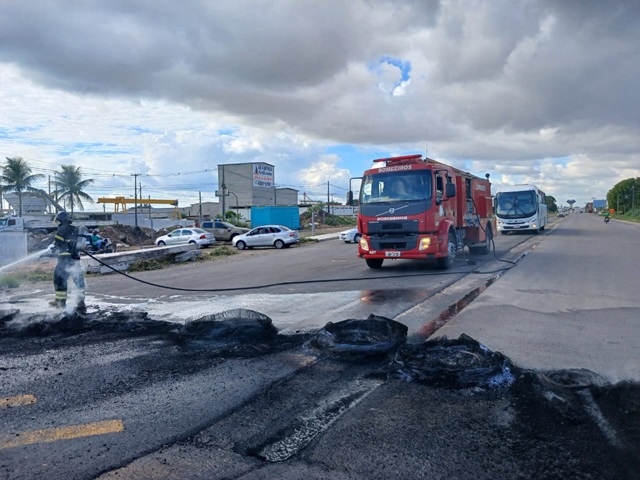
x=63, y=433
x=17, y=401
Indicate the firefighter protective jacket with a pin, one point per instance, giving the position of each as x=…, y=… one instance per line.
x=66, y=241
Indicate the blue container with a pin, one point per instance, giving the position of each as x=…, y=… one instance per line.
x=287, y=216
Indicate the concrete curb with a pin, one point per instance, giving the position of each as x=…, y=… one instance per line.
x=325, y=236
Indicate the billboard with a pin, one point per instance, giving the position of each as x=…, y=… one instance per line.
x=262, y=175
x=599, y=203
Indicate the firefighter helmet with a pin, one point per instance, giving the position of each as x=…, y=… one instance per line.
x=63, y=217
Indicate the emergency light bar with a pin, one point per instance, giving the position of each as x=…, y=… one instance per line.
x=398, y=159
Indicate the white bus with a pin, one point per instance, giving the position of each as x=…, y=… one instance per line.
x=520, y=208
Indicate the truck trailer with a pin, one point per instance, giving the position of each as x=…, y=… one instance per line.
x=417, y=208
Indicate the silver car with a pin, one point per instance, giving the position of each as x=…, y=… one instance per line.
x=350, y=235
x=277, y=236
x=181, y=236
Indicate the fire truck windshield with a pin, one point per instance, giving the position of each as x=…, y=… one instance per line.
x=396, y=186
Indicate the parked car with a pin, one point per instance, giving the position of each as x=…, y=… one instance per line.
x=181, y=236
x=277, y=236
x=350, y=235
x=223, y=231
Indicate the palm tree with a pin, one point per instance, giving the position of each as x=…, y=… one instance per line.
x=17, y=177
x=69, y=186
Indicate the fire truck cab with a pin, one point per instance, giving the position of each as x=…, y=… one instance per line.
x=417, y=208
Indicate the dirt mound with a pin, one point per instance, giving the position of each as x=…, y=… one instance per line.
x=123, y=235
x=126, y=235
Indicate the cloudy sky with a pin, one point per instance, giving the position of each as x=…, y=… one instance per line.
x=526, y=90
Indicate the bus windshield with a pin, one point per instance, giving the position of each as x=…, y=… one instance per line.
x=516, y=204
x=396, y=186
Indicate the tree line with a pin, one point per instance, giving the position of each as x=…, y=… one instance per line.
x=18, y=177
x=623, y=197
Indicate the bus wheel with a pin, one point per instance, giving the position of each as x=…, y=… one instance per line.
x=374, y=262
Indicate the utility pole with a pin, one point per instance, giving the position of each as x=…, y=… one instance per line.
x=223, y=187
x=135, y=194
x=150, y=219
x=328, y=203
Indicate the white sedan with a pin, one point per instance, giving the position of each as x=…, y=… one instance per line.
x=195, y=236
x=350, y=235
x=277, y=236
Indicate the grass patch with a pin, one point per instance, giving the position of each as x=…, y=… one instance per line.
x=148, y=265
x=9, y=281
x=629, y=217
x=304, y=240
x=14, y=280
x=203, y=256
x=221, y=251
x=39, y=275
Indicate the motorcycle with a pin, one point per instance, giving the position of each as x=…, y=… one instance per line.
x=606, y=219
x=104, y=245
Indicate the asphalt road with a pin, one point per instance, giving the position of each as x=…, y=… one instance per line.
x=126, y=392
x=299, y=288
x=572, y=303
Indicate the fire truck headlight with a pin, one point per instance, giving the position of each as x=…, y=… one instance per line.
x=364, y=245
x=425, y=243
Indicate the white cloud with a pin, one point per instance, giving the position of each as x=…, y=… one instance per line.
x=540, y=91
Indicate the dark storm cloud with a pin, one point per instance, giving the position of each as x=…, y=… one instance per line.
x=477, y=67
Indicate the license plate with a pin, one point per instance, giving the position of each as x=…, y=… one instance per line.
x=391, y=254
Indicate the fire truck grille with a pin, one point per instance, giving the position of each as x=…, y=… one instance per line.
x=391, y=226
x=393, y=245
x=385, y=228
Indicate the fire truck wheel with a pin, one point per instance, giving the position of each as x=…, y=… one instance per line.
x=447, y=262
x=374, y=262
x=486, y=248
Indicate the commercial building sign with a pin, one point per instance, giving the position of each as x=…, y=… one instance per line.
x=262, y=175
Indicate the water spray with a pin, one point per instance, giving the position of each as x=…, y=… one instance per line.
x=33, y=256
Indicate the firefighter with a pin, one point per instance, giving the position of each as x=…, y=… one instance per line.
x=68, y=266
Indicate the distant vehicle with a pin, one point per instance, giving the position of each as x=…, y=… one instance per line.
x=521, y=208
x=183, y=236
x=223, y=231
x=104, y=245
x=277, y=236
x=560, y=215
x=350, y=235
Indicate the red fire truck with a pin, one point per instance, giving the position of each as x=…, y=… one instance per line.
x=415, y=208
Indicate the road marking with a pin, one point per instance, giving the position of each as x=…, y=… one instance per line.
x=63, y=433
x=17, y=401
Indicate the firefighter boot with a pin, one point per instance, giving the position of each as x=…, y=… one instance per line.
x=57, y=303
x=81, y=308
